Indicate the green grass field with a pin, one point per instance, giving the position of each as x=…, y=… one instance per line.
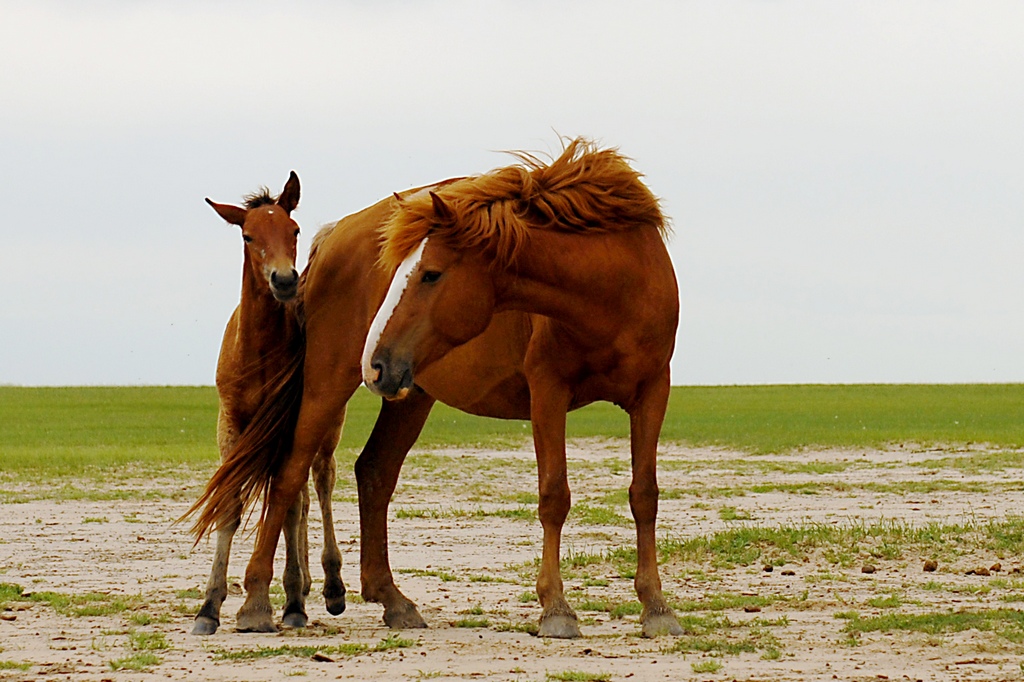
x=68, y=430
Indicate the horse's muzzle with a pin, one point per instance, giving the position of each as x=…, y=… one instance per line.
x=284, y=285
x=390, y=378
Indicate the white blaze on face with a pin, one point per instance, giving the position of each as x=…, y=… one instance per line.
x=395, y=291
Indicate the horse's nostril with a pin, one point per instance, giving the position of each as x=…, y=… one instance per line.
x=378, y=369
x=284, y=280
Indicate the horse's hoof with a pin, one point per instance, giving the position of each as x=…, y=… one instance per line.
x=205, y=626
x=334, y=600
x=559, y=626
x=295, y=619
x=407, y=618
x=661, y=624
x=255, y=623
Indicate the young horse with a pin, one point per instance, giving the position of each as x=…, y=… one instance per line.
x=580, y=242
x=260, y=343
x=344, y=289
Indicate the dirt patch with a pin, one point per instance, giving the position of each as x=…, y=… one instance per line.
x=109, y=588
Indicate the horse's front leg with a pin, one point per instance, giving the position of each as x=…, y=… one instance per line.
x=397, y=427
x=324, y=475
x=548, y=406
x=315, y=421
x=645, y=422
x=296, y=568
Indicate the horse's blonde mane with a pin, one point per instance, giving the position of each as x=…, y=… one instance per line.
x=585, y=189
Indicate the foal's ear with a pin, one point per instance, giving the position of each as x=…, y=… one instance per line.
x=233, y=214
x=441, y=211
x=289, y=198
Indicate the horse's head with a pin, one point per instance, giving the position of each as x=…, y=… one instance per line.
x=270, y=236
x=439, y=298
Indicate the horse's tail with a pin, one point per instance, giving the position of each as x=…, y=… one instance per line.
x=245, y=475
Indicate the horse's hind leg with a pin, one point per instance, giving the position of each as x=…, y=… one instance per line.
x=208, y=618
x=547, y=412
x=397, y=427
x=324, y=474
x=645, y=427
x=296, y=569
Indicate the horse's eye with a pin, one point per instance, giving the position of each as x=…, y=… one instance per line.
x=246, y=238
x=430, y=276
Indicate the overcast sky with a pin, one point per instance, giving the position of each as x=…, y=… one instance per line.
x=845, y=180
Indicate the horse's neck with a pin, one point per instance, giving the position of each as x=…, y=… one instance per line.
x=545, y=280
x=263, y=321
x=587, y=283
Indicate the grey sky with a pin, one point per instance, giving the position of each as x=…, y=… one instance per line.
x=845, y=179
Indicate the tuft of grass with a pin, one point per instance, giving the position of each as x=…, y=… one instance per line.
x=472, y=623
x=14, y=665
x=725, y=602
x=347, y=649
x=148, y=641
x=90, y=604
x=1006, y=623
x=732, y=514
x=138, y=662
x=891, y=601
x=9, y=592
x=596, y=515
x=445, y=576
x=579, y=676
x=393, y=641
x=708, y=665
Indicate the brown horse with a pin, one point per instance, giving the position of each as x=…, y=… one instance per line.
x=584, y=248
x=261, y=341
x=586, y=201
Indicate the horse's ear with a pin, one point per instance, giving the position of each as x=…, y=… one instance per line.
x=289, y=198
x=441, y=211
x=233, y=214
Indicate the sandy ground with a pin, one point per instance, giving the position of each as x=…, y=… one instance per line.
x=458, y=561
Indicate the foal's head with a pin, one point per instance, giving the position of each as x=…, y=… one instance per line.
x=270, y=236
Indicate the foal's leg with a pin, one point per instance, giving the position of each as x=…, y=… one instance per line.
x=208, y=618
x=397, y=428
x=324, y=474
x=645, y=426
x=317, y=416
x=296, y=578
x=547, y=412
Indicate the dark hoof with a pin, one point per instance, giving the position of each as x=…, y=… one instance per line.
x=559, y=626
x=661, y=624
x=335, y=601
x=406, y=618
x=295, y=619
x=205, y=626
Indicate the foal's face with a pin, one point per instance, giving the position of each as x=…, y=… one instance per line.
x=439, y=298
x=271, y=237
